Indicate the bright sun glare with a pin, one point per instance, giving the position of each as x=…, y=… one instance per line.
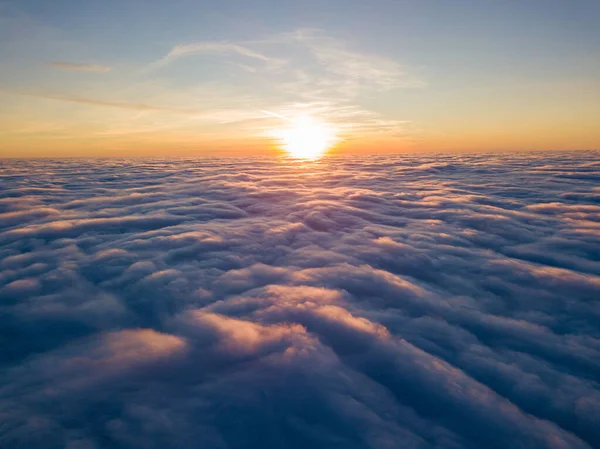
x=306, y=139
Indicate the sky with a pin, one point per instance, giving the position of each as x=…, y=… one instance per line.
x=195, y=78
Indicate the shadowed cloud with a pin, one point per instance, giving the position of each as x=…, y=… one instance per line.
x=381, y=302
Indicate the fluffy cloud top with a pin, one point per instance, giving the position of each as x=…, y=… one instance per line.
x=385, y=302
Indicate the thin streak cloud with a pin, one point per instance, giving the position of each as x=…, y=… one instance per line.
x=80, y=67
x=225, y=48
x=110, y=104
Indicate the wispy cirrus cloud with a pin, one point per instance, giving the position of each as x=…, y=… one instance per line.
x=307, y=71
x=225, y=48
x=103, y=103
x=304, y=72
x=78, y=66
x=308, y=59
x=334, y=64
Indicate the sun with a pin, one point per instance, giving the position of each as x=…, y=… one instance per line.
x=306, y=138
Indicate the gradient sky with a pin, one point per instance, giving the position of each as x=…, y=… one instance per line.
x=187, y=77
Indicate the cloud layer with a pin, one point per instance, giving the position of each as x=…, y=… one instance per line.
x=382, y=302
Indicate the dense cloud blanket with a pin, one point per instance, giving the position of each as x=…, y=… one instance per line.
x=387, y=302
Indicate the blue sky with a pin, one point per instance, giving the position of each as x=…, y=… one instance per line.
x=427, y=71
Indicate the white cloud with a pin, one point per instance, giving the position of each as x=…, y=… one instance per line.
x=437, y=301
x=321, y=75
x=77, y=66
x=222, y=48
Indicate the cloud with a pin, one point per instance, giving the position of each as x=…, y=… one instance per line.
x=330, y=64
x=223, y=48
x=364, y=302
x=309, y=72
x=302, y=73
x=78, y=66
x=140, y=107
x=356, y=70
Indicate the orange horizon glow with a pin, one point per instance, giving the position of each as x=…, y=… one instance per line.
x=98, y=131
